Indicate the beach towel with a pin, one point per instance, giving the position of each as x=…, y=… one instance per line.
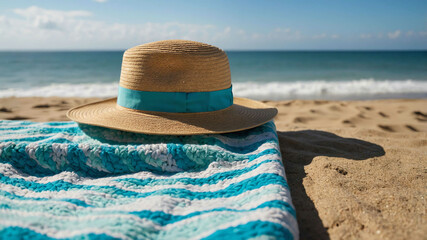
x=61, y=180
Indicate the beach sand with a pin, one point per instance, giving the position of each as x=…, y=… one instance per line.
x=356, y=169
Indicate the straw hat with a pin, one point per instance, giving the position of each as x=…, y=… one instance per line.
x=175, y=87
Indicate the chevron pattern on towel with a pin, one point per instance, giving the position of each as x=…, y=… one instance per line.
x=59, y=180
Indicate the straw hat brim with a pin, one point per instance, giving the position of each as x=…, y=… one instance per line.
x=243, y=114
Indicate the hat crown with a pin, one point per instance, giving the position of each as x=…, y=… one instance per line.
x=175, y=66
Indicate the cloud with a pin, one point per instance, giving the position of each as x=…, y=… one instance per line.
x=365, y=36
x=38, y=28
x=283, y=34
x=393, y=35
x=320, y=36
x=325, y=36
x=3, y=20
x=49, y=19
x=35, y=11
x=100, y=1
x=410, y=33
x=35, y=28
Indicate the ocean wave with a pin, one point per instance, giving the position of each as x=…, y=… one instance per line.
x=333, y=90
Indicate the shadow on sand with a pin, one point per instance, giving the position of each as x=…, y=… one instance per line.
x=298, y=149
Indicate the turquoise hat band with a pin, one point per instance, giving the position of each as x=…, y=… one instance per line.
x=175, y=102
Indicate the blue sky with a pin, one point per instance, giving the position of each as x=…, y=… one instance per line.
x=244, y=25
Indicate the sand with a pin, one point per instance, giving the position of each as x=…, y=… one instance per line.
x=356, y=169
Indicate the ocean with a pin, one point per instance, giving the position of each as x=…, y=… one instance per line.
x=263, y=75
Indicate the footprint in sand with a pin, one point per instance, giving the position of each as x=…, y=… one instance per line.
x=339, y=169
x=386, y=128
x=302, y=119
x=287, y=104
x=320, y=102
x=334, y=108
x=361, y=115
x=42, y=106
x=364, y=108
x=17, y=118
x=348, y=123
x=420, y=116
x=411, y=128
x=383, y=114
x=5, y=110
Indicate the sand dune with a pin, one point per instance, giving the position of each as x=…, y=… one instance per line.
x=357, y=169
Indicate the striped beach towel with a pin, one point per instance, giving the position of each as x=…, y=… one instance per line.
x=60, y=180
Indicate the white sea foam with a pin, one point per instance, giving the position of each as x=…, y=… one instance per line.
x=356, y=89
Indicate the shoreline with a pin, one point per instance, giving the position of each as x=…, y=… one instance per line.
x=332, y=90
x=356, y=169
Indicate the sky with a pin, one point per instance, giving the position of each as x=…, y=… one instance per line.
x=228, y=24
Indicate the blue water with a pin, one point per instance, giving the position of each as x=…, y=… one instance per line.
x=339, y=66
x=297, y=74
x=43, y=68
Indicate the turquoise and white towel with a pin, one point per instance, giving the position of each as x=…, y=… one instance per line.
x=59, y=180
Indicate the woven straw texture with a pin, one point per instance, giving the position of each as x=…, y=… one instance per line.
x=175, y=66
x=62, y=181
